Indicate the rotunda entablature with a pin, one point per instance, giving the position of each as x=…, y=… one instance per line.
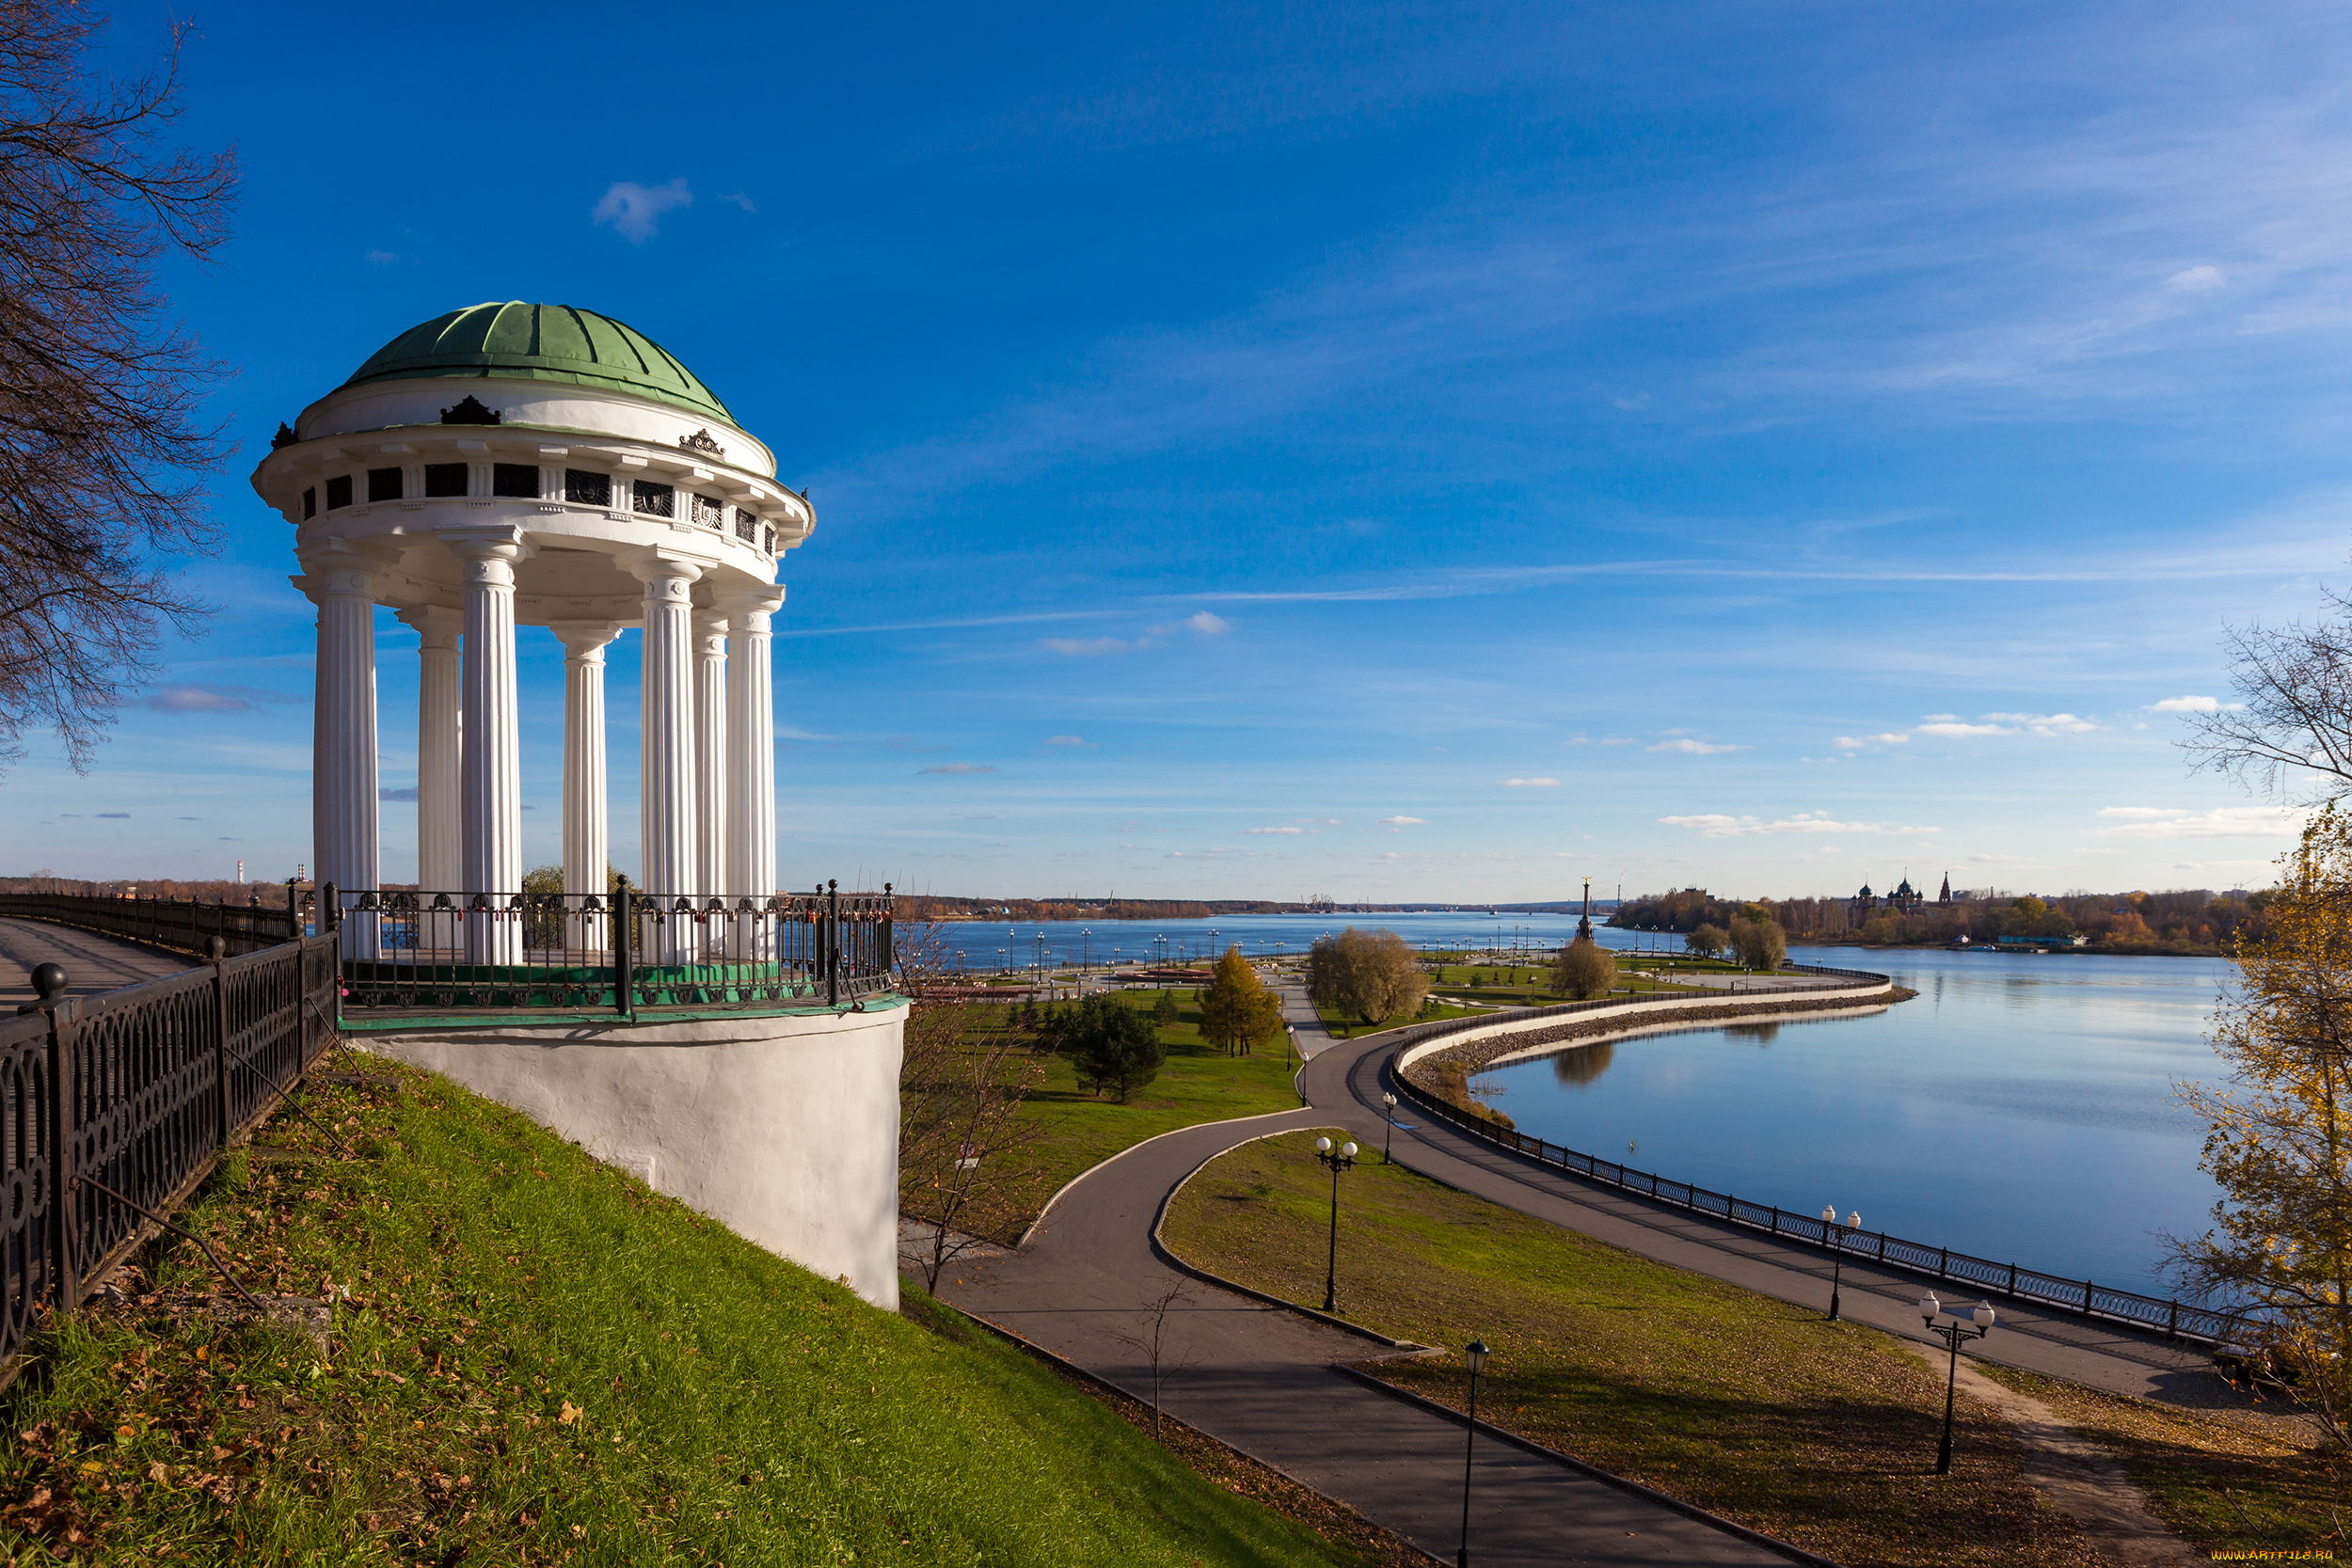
x=504, y=420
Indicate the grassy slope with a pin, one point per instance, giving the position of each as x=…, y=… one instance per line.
x=1821, y=1433
x=540, y=1362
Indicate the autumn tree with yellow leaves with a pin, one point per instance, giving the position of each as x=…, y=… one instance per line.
x=2280, y=1134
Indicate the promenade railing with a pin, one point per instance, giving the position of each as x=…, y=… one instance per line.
x=1939, y=1263
x=627, y=952
x=114, y=1107
x=174, y=923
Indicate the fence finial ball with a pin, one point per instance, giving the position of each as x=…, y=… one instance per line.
x=48, y=981
x=215, y=948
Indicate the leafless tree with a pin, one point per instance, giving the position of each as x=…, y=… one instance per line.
x=101, y=441
x=2289, y=734
x=963, y=1143
x=1153, y=1342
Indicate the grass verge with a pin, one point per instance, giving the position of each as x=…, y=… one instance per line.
x=1821, y=1434
x=539, y=1361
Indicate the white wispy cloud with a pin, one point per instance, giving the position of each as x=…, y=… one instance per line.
x=1693, y=748
x=206, y=697
x=1088, y=647
x=1403, y=821
x=2220, y=822
x=1531, y=784
x=1713, y=824
x=2194, y=705
x=634, y=211
x=1274, y=829
x=957, y=768
x=1856, y=743
x=1067, y=741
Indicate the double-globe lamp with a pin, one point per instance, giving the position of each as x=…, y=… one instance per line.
x=1836, y=1240
x=1341, y=1158
x=1954, y=1335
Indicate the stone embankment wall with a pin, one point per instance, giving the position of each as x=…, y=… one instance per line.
x=1472, y=1049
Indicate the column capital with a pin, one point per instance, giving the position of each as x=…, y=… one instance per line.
x=334, y=569
x=483, y=543
x=584, y=638
x=435, y=627
x=732, y=602
x=662, y=564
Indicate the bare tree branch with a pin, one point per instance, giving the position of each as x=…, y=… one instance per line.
x=100, y=448
x=2289, y=734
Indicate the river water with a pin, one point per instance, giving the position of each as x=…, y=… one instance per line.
x=2021, y=1108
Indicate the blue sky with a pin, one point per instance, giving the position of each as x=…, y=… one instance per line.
x=1390, y=453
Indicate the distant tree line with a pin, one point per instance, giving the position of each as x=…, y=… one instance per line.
x=2191, y=922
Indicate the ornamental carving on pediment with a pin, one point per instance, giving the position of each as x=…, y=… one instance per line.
x=471, y=411
x=701, y=441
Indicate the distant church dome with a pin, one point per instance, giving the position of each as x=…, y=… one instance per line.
x=517, y=341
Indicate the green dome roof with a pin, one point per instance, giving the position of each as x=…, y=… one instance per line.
x=516, y=341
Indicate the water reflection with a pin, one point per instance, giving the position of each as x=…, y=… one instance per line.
x=1579, y=1069
x=2019, y=1108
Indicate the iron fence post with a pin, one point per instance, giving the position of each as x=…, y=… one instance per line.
x=220, y=1037
x=832, y=943
x=624, y=968
x=63, y=1015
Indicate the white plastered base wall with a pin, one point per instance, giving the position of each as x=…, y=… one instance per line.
x=783, y=1129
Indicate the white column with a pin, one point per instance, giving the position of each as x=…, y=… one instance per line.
x=587, y=841
x=343, y=768
x=666, y=792
x=752, y=759
x=711, y=755
x=439, y=744
x=491, y=788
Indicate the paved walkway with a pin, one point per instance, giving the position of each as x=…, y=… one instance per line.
x=92, y=962
x=1260, y=1378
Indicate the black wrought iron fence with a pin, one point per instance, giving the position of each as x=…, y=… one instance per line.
x=175, y=923
x=625, y=952
x=1940, y=1263
x=114, y=1107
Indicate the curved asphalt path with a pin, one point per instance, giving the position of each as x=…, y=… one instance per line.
x=92, y=962
x=1260, y=1378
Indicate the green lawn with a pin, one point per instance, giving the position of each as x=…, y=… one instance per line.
x=1519, y=986
x=542, y=1362
x=1821, y=1434
x=1346, y=1027
x=1199, y=1084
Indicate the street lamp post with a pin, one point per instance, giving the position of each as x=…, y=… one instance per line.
x=1342, y=1157
x=1954, y=1335
x=1474, y=1355
x=1836, y=1235
x=1387, y=1100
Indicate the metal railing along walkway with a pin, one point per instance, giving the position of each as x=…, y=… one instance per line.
x=2076, y=1295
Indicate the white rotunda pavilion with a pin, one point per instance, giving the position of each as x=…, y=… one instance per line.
x=518, y=464
x=515, y=464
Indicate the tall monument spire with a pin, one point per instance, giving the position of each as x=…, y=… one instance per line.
x=1585, y=927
